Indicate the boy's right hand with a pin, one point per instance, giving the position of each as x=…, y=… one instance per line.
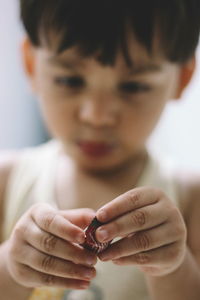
x=43, y=249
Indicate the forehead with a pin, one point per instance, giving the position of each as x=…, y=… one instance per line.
x=139, y=56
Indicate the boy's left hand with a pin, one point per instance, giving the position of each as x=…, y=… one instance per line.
x=152, y=231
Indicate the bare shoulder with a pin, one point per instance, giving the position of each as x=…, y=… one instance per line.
x=190, y=206
x=8, y=160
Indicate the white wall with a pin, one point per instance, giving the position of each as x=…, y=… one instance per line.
x=19, y=121
x=177, y=134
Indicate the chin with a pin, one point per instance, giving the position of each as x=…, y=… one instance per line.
x=100, y=167
x=108, y=163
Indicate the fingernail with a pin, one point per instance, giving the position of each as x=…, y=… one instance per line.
x=102, y=235
x=101, y=216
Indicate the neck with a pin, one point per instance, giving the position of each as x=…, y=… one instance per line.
x=88, y=189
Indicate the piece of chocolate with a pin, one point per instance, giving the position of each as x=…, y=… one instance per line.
x=90, y=241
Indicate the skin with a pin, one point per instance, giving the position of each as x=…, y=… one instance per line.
x=108, y=105
x=156, y=241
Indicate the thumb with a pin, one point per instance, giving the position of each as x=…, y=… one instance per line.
x=81, y=217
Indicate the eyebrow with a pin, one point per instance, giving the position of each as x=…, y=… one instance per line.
x=148, y=68
x=72, y=64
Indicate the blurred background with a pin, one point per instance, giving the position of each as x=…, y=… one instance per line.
x=177, y=135
x=20, y=122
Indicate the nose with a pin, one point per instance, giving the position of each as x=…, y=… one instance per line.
x=98, y=112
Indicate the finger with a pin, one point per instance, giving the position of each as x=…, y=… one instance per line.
x=140, y=219
x=140, y=242
x=131, y=200
x=50, y=220
x=55, y=266
x=50, y=244
x=81, y=217
x=32, y=278
x=157, y=257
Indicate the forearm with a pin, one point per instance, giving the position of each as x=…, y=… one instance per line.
x=8, y=287
x=183, y=284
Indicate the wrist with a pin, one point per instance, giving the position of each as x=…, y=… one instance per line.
x=182, y=283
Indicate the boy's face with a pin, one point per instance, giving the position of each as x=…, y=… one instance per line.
x=103, y=115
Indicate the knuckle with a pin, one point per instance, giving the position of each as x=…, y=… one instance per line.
x=133, y=199
x=48, y=263
x=142, y=258
x=43, y=214
x=141, y=241
x=49, y=243
x=20, y=230
x=48, y=221
x=139, y=218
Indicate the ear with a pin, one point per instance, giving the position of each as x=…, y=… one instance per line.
x=28, y=58
x=186, y=73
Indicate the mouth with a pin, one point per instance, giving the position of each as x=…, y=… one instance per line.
x=95, y=149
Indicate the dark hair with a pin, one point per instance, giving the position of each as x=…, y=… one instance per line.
x=101, y=25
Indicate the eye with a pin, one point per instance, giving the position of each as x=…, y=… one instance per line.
x=134, y=87
x=70, y=81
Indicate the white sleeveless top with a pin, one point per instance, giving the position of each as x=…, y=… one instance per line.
x=36, y=168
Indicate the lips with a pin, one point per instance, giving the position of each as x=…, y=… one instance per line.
x=95, y=149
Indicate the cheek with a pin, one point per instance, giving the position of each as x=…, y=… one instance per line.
x=139, y=122
x=58, y=115
x=56, y=109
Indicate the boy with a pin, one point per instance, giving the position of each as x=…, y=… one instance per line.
x=103, y=72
